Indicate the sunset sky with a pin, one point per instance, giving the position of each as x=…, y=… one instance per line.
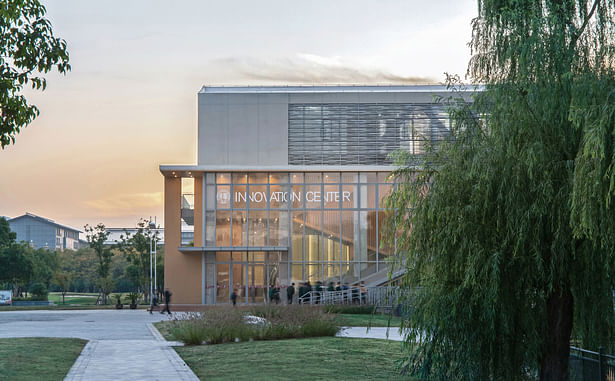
x=129, y=103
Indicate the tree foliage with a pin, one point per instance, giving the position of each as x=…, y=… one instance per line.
x=96, y=237
x=507, y=230
x=28, y=49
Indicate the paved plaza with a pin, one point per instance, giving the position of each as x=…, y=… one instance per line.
x=123, y=344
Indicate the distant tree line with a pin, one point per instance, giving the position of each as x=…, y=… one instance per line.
x=98, y=268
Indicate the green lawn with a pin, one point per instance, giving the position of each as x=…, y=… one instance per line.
x=38, y=358
x=368, y=320
x=325, y=358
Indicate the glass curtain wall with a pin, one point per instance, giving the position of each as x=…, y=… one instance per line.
x=327, y=227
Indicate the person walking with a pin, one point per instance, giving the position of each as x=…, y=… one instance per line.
x=234, y=297
x=290, y=292
x=167, y=299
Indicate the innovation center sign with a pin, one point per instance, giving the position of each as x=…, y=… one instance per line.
x=224, y=196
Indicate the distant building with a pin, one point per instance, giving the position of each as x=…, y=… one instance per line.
x=40, y=232
x=115, y=234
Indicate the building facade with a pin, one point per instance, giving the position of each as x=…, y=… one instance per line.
x=289, y=186
x=40, y=232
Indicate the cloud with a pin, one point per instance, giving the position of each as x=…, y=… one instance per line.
x=308, y=69
x=128, y=203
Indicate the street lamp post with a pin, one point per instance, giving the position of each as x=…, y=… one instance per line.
x=152, y=225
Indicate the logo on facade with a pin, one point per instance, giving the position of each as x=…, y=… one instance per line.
x=223, y=197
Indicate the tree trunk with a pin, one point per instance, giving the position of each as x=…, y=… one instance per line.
x=554, y=362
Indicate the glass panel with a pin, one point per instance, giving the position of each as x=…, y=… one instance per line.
x=312, y=247
x=223, y=178
x=210, y=178
x=210, y=230
x=297, y=276
x=257, y=286
x=331, y=243
x=240, y=231
x=296, y=178
x=349, y=221
x=368, y=230
x=257, y=228
x=313, y=177
x=278, y=228
x=313, y=273
x=223, y=196
x=296, y=197
x=350, y=273
x=332, y=196
x=223, y=256
x=383, y=191
x=331, y=276
x=331, y=177
x=240, y=178
x=349, y=196
x=256, y=256
x=239, y=256
x=368, y=196
x=223, y=278
x=279, y=196
x=239, y=196
x=257, y=196
x=383, y=177
x=385, y=250
x=239, y=283
x=278, y=178
x=313, y=198
x=367, y=269
x=210, y=197
x=368, y=177
x=297, y=236
x=257, y=178
x=223, y=228
x=349, y=177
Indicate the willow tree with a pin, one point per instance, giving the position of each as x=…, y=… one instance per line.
x=507, y=231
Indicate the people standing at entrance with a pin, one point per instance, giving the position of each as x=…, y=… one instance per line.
x=290, y=292
x=234, y=297
x=308, y=291
x=167, y=299
x=302, y=292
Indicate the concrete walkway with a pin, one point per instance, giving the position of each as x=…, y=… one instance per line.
x=123, y=345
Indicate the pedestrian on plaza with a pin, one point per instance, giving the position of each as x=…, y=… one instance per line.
x=167, y=299
x=276, y=294
x=308, y=290
x=234, y=297
x=330, y=288
x=302, y=292
x=338, y=287
x=290, y=292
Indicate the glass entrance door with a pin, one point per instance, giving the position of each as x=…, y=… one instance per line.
x=257, y=283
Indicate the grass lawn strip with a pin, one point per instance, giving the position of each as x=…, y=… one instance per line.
x=325, y=358
x=37, y=358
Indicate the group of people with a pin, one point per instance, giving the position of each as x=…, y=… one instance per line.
x=358, y=292
x=167, y=298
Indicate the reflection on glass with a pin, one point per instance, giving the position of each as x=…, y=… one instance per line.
x=223, y=228
x=368, y=269
x=385, y=250
x=312, y=246
x=257, y=227
x=350, y=272
x=278, y=178
x=238, y=281
x=239, y=256
x=210, y=228
x=297, y=276
x=313, y=273
x=210, y=197
x=223, y=256
x=368, y=177
x=368, y=196
x=369, y=218
x=383, y=177
x=331, y=274
x=240, y=231
x=349, y=221
x=331, y=244
x=297, y=236
x=349, y=196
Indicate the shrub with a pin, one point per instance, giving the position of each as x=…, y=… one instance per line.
x=228, y=324
x=38, y=292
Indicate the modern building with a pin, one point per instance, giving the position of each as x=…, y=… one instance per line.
x=40, y=232
x=289, y=186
